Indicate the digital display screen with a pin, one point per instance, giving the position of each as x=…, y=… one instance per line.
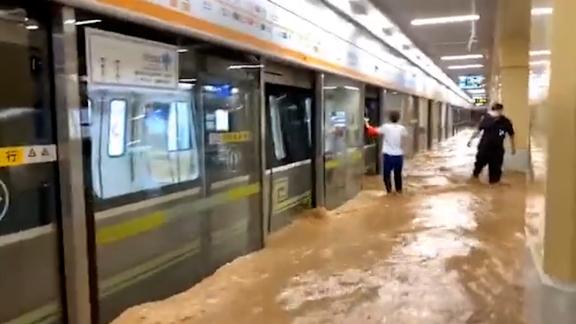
x=480, y=101
x=219, y=90
x=471, y=82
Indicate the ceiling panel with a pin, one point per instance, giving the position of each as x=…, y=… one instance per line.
x=448, y=39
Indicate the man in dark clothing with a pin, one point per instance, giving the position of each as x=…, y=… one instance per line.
x=494, y=127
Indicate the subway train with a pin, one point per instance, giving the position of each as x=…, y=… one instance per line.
x=178, y=151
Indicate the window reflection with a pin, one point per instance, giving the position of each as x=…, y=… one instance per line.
x=289, y=119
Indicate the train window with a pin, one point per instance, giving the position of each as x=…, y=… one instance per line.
x=117, y=130
x=289, y=114
x=277, y=140
x=172, y=130
x=184, y=127
x=222, y=120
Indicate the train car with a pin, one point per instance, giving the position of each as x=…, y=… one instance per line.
x=181, y=143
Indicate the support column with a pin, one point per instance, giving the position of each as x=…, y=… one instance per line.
x=512, y=50
x=560, y=232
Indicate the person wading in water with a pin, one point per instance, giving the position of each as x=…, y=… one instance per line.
x=494, y=127
x=392, y=153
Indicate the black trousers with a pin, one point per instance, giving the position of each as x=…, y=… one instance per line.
x=494, y=158
x=393, y=164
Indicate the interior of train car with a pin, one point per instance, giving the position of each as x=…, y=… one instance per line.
x=192, y=153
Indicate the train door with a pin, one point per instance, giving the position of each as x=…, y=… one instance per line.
x=289, y=108
x=145, y=194
x=229, y=90
x=410, y=120
x=110, y=109
x=423, y=124
x=30, y=258
x=372, y=111
x=344, y=139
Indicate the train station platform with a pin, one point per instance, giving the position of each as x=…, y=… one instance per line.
x=218, y=161
x=447, y=251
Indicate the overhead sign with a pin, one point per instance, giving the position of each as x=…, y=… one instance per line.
x=19, y=155
x=480, y=101
x=115, y=59
x=4, y=199
x=469, y=82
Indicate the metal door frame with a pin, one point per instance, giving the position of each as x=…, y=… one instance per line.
x=318, y=185
x=70, y=166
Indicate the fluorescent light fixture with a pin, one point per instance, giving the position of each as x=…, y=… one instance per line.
x=247, y=66
x=32, y=27
x=462, y=57
x=88, y=22
x=464, y=67
x=351, y=88
x=187, y=80
x=70, y=21
x=542, y=11
x=330, y=88
x=539, y=63
x=540, y=53
x=182, y=50
x=477, y=91
x=444, y=20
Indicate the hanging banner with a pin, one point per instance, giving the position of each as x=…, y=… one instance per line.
x=115, y=59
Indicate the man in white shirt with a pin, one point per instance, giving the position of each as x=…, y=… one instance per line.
x=393, y=135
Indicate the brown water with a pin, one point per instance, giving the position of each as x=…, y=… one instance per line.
x=448, y=251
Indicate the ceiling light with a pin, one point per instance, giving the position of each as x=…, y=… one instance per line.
x=187, y=80
x=70, y=21
x=477, y=91
x=182, y=50
x=542, y=11
x=88, y=22
x=538, y=63
x=32, y=27
x=540, y=53
x=245, y=66
x=444, y=20
x=462, y=57
x=467, y=66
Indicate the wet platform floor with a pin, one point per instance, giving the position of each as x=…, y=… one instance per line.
x=447, y=251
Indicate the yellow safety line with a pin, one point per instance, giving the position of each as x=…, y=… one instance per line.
x=129, y=228
x=117, y=232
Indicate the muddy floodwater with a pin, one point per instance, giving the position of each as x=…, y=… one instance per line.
x=448, y=251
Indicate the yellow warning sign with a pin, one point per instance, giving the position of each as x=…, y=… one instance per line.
x=18, y=155
x=236, y=137
x=10, y=156
x=31, y=153
x=232, y=137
